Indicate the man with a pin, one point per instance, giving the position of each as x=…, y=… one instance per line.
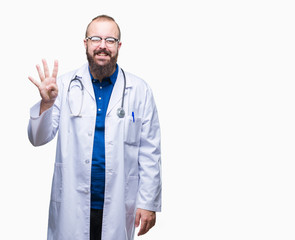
x=107, y=175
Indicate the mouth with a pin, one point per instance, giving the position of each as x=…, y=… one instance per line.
x=102, y=53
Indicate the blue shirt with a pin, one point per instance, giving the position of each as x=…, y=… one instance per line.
x=102, y=91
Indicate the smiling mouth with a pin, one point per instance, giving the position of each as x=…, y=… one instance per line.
x=102, y=54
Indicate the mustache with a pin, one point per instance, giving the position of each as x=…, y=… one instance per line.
x=102, y=51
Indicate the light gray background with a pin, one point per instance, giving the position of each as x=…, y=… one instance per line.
x=222, y=73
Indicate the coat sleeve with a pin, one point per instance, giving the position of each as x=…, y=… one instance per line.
x=42, y=129
x=150, y=183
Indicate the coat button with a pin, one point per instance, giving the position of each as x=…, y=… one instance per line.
x=87, y=161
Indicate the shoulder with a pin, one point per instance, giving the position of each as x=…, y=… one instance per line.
x=139, y=89
x=135, y=81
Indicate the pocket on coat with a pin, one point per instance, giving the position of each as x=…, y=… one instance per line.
x=57, y=183
x=132, y=130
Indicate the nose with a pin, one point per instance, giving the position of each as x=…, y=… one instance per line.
x=102, y=43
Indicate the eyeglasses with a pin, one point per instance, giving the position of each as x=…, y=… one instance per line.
x=96, y=41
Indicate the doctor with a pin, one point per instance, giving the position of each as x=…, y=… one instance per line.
x=107, y=173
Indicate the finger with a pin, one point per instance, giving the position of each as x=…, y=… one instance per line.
x=137, y=218
x=143, y=228
x=51, y=87
x=46, y=69
x=40, y=73
x=34, y=81
x=149, y=225
x=55, y=69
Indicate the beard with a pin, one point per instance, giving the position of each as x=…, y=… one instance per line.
x=99, y=71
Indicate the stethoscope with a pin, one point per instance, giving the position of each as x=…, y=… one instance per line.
x=120, y=110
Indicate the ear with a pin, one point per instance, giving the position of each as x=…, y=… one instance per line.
x=85, y=43
x=119, y=45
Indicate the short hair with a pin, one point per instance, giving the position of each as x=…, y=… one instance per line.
x=104, y=18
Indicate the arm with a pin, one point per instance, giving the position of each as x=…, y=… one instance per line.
x=41, y=127
x=150, y=185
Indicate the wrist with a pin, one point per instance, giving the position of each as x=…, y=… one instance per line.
x=45, y=106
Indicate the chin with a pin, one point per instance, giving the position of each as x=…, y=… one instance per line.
x=101, y=62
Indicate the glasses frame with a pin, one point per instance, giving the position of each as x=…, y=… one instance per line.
x=109, y=44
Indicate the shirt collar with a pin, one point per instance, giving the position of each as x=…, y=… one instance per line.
x=111, y=78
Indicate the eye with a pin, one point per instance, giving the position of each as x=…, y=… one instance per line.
x=110, y=40
x=95, y=39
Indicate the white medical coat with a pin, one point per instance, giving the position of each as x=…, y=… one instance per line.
x=132, y=157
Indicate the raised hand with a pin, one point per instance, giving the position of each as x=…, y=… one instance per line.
x=47, y=87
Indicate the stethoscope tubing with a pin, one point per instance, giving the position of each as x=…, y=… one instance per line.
x=120, y=111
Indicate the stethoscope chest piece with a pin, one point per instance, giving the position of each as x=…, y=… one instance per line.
x=121, y=112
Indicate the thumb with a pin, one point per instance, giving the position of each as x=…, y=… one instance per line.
x=137, y=218
x=52, y=87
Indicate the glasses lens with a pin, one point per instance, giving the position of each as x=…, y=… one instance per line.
x=96, y=41
x=110, y=41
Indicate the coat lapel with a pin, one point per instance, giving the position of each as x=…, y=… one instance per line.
x=117, y=91
x=87, y=83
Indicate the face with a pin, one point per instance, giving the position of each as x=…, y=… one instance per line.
x=103, y=58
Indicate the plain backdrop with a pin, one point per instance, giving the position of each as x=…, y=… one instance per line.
x=222, y=73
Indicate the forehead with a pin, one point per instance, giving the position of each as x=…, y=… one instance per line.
x=103, y=29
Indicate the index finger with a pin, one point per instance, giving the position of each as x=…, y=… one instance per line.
x=37, y=84
x=55, y=69
x=143, y=227
x=46, y=69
